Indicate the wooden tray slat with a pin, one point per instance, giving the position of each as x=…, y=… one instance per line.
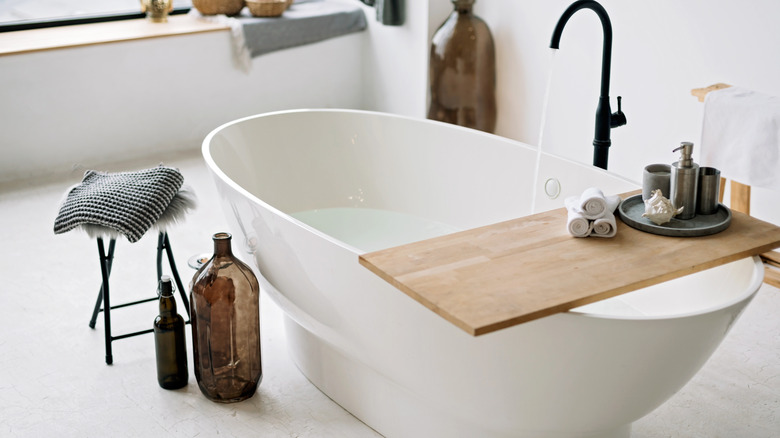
x=501, y=275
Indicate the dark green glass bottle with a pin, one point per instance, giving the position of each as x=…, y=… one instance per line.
x=169, y=341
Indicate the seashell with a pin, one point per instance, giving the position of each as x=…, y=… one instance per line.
x=659, y=209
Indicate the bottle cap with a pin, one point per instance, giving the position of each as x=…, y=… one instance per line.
x=166, y=287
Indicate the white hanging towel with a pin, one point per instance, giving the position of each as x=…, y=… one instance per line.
x=741, y=136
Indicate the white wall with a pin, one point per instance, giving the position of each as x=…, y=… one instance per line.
x=395, y=62
x=661, y=50
x=112, y=102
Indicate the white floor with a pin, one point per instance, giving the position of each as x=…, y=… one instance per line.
x=54, y=382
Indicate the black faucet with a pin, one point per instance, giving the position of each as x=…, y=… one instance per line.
x=605, y=118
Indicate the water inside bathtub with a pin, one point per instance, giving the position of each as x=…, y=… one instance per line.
x=370, y=229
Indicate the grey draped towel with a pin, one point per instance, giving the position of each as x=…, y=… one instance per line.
x=302, y=23
x=126, y=202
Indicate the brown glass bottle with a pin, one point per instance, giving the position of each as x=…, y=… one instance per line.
x=463, y=71
x=225, y=318
x=169, y=341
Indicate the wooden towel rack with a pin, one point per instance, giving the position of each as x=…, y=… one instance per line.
x=740, y=201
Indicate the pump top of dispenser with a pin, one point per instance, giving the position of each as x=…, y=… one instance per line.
x=686, y=150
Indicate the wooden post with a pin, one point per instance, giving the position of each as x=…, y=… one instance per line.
x=740, y=197
x=701, y=93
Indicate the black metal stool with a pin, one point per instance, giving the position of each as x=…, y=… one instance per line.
x=127, y=203
x=103, y=298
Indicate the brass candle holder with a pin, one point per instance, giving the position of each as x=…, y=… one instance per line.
x=157, y=10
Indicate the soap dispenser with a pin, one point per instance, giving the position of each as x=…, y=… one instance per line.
x=684, y=179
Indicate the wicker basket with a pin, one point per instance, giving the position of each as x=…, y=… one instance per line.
x=267, y=8
x=217, y=7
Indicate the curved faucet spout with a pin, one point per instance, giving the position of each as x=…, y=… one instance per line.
x=606, y=25
x=605, y=119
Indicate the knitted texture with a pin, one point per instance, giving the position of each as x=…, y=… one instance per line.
x=128, y=202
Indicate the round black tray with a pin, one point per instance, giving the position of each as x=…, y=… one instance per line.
x=632, y=208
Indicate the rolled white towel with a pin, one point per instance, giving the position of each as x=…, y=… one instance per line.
x=592, y=203
x=606, y=226
x=576, y=223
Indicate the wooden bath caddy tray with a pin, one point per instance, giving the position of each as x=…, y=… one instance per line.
x=493, y=277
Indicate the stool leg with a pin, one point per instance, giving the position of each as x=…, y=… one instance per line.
x=106, y=300
x=175, y=273
x=163, y=242
x=160, y=246
x=100, y=292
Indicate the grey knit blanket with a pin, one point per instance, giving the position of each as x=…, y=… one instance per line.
x=127, y=202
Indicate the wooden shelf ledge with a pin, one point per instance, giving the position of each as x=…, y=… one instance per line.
x=35, y=40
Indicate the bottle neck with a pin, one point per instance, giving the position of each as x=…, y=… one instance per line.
x=463, y=6
x=168, y=306
x=222, y=245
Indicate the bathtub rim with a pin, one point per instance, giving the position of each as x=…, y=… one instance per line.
x=748, y=292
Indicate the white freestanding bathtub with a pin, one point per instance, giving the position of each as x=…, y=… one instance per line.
x=306, y=192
